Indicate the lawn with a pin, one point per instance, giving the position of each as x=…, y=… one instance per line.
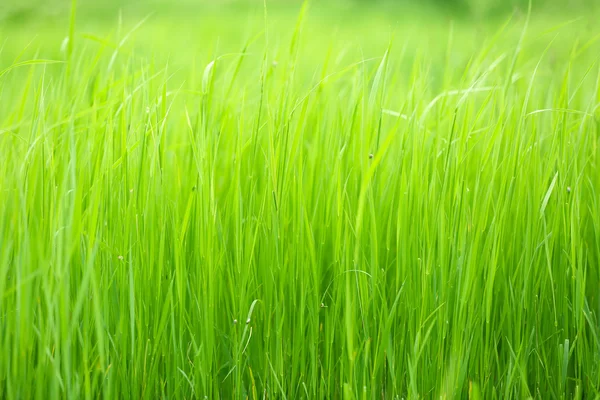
x=286, y=201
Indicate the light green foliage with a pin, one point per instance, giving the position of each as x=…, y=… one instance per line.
x=336, y=205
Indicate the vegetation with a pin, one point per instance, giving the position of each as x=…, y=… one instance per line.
x=299, y=203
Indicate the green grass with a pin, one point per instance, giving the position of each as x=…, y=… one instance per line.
x=279, y=204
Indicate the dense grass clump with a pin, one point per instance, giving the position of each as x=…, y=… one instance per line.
x=262, y=208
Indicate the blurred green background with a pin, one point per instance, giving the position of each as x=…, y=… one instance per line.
x=23, y=10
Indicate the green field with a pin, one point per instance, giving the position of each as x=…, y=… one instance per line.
x=275, y=201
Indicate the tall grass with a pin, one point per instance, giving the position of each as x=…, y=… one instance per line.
x=299, y=218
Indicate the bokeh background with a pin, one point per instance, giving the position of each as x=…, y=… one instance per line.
x=22, y=10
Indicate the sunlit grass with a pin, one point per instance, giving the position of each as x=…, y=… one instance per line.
x=300, y=210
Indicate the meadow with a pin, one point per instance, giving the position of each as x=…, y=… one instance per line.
x=286, y=201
